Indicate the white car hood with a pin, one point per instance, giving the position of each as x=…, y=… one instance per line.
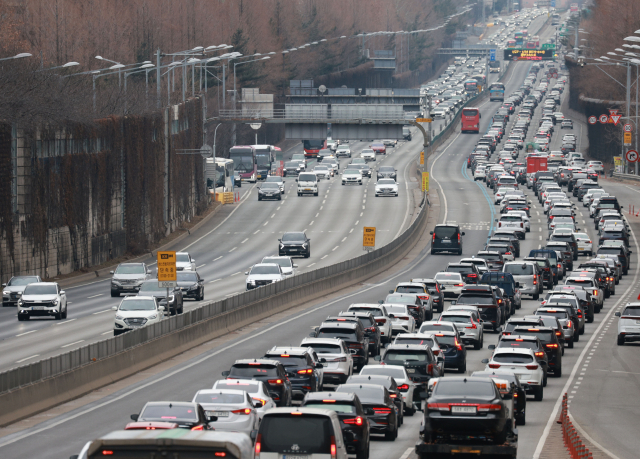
x=139, y=313
x=38, y=298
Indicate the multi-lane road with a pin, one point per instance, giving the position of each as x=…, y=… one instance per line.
x=241, y=235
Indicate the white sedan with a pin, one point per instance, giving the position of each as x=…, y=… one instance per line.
x=352, y=176
x=256, y=390
x=386, y=187
x=401, y=319
x=585, y=245
x=235, y=409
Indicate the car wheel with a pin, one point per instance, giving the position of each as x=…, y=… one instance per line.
x=557, y=372
x=620, y=339
x=391, y=436
x=462, y=368
x=259, y=198
x=280, y=198
x=363, y=453
x=576, y=337
x=582, y=330
x=521, y=420
x=570, y=344
x=538, y=394
x=57, y=316
x=64, y=314
x=315, y=194
x=299, y=194
x=22, y=318
x=478, y=345
x=114, y=294
x=433, y=252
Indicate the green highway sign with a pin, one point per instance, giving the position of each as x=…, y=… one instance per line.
x=548, y=46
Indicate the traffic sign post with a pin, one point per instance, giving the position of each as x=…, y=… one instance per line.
x=632, y=156
x=425, y=181
x=369, y=238
x=167, y=272
x=492, y=55
x=593, y=119
x=628, y=127
x=627, y=139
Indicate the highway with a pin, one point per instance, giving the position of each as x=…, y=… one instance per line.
x=243, y=234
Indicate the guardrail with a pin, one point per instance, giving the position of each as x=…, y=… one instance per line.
x=312, y=116
x=620, y=175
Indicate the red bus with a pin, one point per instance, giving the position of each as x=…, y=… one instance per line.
x=312, y=147
x=470, y=120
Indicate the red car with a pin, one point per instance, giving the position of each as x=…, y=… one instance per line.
x=379, y=148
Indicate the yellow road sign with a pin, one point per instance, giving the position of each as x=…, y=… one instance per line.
x=369, y=236
x=424, y=120
x=422, y=158
x=627, y=138
x=167, y=267
x=425, y=181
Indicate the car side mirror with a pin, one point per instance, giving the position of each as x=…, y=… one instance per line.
x=62, y=292
x=618, y=314
x=377, y=358
x=296, y=180
x=225, y=373
x=484, y=361
x=161, y=308
x=110, y=272
x=134, y=417
x=380, y=301
x=323, y=360
x=246, y=273
x=353, y=351
x=491, y=347
x=463, y=233
x=4, y=285
x=430, y=232
x=319, y=365
x=295, y=266
x=453, y=302
x=114, y=308
x=213, y=418
x=443, y=288
x=496, y=219
x=312, y=334
x=425, y=394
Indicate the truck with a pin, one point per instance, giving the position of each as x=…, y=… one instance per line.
x=536, y=164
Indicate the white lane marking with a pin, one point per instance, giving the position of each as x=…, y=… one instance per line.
x=351, y=231
x=242, y=201
x=102, y=312
x=317, y=214
x=235, y=274
x=357, y=221
x=218, y=258
x=215, y=280
x=232, y=249
x=95, y=296
x=310, y=265
x=407, y=453
x=27, y=358
x=273, y=215
x=590, y=439
x=321, y=207
x=26, y=333
x=244, y=241
x=107, y=333
x=278, y=208
x=442, y=195
x=556, y=408
x=344, y=239
x=66, y=322
x=324, y=257
x=310, y=224
x=265, y=223
x=361, y=214
x=198, y=267
x=336, y=247
x=256, y=232
x=71, y=344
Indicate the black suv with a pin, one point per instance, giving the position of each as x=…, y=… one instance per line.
x=300, y=367
x=352, y=334
x=418, y=359
x=446, y=238
x=484, y=297
x=378, y=406
x=435, y=290
x=551, y=344
x=294, y=243
x=523, y=341
x=353, y=422
x=371, y=329
x=270, y=372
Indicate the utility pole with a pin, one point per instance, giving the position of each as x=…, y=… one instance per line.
x=628, y=100
x=158, y=87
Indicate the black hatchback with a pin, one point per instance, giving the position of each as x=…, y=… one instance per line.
x=270, y=372
x=446, y=238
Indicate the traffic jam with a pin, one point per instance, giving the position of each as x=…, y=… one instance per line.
x=360, y=372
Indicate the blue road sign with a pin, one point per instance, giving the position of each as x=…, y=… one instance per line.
x=492, y=55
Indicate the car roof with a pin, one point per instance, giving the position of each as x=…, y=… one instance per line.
x=411, y=347
x=302, y=411
x=130, y=297
x=511, y=350
x=337, y=341
x=515, y=337
x=222, y=391
x=349, y=325
x=339, y=396
x=258, y=361
x=288, y=350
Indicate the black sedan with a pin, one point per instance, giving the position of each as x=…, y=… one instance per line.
x=387, y=172
x=187, y=415
x=269, y=190
x=294, y=243
x=173, y=303
x=378, y=406
x=516, y=391
x=191, y=284
x=464, y=405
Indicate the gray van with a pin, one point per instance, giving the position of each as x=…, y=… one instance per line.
x=525, y=273
x=313, y=433
x=446, y=238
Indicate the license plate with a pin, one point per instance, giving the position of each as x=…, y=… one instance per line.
x=580, y=248
x=287, y=456
x=307, y=189
x=37, y=308
x=463, y=409
x=219, y=414
x=411, y=370
x=293, y=250
x=446, y=242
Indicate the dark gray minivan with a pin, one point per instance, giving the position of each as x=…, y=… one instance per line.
x=446, y=238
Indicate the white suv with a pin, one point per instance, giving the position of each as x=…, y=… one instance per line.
x=338, y=365
x=368, y=155
x=380, y=315
x=521, y=362
x=136, y=312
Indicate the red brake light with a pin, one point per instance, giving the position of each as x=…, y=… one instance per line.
x=403, y=387
x=458, y=345
x=473, y=325
x=552, y=346
x=106, y=452
x=472, y=276
x=258, y=446
x=197, y=428
x=539, y=354
x=220, y=454
x=494, y=365
x=241, y=411
x=275, y=381
x=531, y=367
x=393, y=395
x=355, y=421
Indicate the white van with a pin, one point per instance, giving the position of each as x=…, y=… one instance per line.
x=307, y=183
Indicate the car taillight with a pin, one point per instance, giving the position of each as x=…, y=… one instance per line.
x=404, y=386
x=489, y=407
x=438, y=406
x=473, y=276
x=339, y=359
x=308, y=371
x=494, y=365
x=355, y=421
x=531, y=367
x=393, y=395
x=382, y=410
x=197, y=428
x=458, y=345
x=558, y=333
x=436, y=352
x=552, y=346
x=355, y=346
x=275, y=381
x=434, y=238
x=539, y=354
x=381, y=321
x=258, y=399
x=473, y=325
x=423, y=297
x=507, y=253
x=242, y=411
x=333, y=447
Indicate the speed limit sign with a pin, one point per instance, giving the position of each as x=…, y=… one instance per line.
x=593, y=119
x=628, y=128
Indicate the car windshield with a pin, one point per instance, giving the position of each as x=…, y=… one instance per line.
x=556, y=314
x=274, y=179
x=386, y=182
x=343, y=333
x=375, y=312
x=475, y=299
x=283, y=262
x=16, y=281
x=396, y=309
x=136, y=304
x=172, y=411
x=246, y=386
x=519, y=269
x=291, y=164
x=407, y=355
x=152, y=286
x=307, y=178
x=324, y=348
x=461, y=319
x=337, y=407
x=546, y=336
x=41, y=289
x=512, y=358
x=351, y=171
x=187, y=277
x=130, y=269
x=442, y=277
x=395, y=373
x=364, y=392
x=518, y=343
x=400, y=299
x=270, y=186
x=289, y=360
x=265, y=269
x=428, y=341
x=459, y=269
x=252, y=371
x=633, y=311
x=465, y=388
x=386, y=169
x=293, y=237
x=442, y=232
x=407, y=289
x=219, y=398
x=182, y=258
